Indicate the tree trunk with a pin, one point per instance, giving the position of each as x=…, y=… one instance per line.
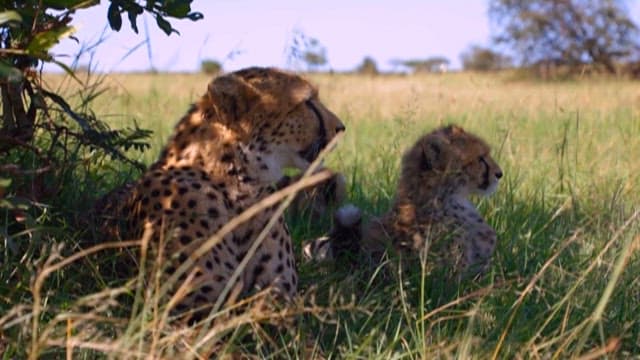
x=16, y=122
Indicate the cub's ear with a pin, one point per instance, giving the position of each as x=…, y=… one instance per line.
x=453, y=131
x=233, y=96
x=426, y=158
x=434, y=153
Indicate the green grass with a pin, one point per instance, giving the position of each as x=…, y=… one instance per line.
x=564, y=280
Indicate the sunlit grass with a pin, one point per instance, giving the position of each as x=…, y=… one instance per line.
x=565, y=277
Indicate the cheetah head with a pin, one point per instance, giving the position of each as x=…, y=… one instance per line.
x=278, y=117
x=452, y=159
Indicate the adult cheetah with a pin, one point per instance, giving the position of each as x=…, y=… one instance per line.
x=226, y=154
x=431, y=209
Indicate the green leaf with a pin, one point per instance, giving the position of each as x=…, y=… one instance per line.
x=132, y=19
x=115, y=20
x=150, y=4
x=195, y=16
x=15, y=203
x=9, y=15
x=5, y=182
x=178, y=9
x=86, y=127
x=69, y=4
x=43, y=41
x=164, y=25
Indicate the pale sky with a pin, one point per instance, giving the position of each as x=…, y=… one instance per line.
x=241, y=33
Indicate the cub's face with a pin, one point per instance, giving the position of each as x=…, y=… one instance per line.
x=451, y=157
x=480, y=173
x=483, y=175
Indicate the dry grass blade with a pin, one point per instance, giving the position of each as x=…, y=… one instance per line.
x=16, y=315
x=257, y=313
x=47, y=270
x=232, y=282
x=575, y=286
x=527, y=290
x=462, y=299
x=610, y=347
x=618, y=268
x=235, y=222
x=108, y=348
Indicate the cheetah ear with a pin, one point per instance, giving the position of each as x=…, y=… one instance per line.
x=431, y=156
x=453, y=130
x=233, y=96
x=425, y=160
x=301, y=92
x=434, y=154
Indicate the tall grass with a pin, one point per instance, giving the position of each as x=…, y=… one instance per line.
x=565, y=279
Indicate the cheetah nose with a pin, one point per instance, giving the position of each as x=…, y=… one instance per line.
x=340, y=128
x=499, y=174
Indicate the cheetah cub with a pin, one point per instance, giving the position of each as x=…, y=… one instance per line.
x=431, y=211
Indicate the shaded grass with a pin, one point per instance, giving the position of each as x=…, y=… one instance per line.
x=564, y=215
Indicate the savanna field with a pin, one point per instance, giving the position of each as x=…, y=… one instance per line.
x=564, y=281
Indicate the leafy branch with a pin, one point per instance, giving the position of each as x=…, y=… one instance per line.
x=39, y=128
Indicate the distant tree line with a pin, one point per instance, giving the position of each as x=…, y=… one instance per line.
x=550, y=37
x=479, y=58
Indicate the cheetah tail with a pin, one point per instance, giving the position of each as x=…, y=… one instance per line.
x=348, y=217
x=342, y=240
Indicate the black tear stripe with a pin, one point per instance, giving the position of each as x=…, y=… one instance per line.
x=322, y=132
x=313, y=150
x=425, y=163
x=485, y=175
